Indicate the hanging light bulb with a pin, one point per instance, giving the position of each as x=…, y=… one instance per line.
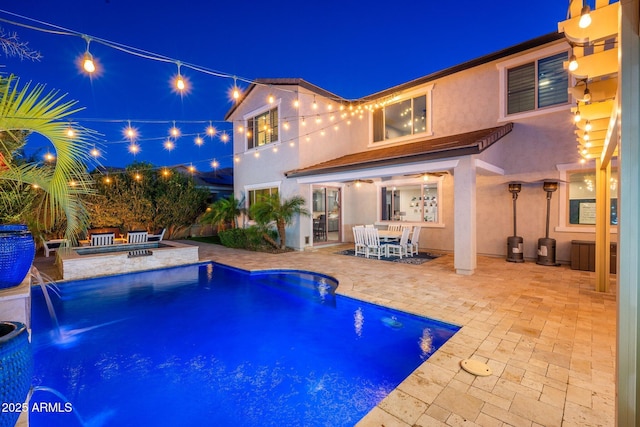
x=585, y=17
x=215, y=164
x=169, y=145
x=95, y=152
x=587, y=95
x=70, y=132
x=87, y=63
x=573, y=63
x=576, y=116
x=191, y=168
x=224, y=137
x=585, y=136
x=588, y=126
x=211, y=131
x=174, y=131
x=236, y=91
x=134, y=148
x=180, y=83
x=315, y=104
x=49, y=157
x=130, y=133
x=296, y=103
x=199, y=141
x=87, y=59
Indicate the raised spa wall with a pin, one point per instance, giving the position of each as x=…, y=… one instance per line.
x=74, y=266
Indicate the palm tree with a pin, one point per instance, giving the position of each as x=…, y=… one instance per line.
x=24, y=111
x=223, y=212
x=282, y=212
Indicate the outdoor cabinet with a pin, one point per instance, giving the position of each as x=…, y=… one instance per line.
x=583, y=255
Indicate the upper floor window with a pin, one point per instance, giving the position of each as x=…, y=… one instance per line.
x=537, y=84
x=262, y=129
x=400, y=119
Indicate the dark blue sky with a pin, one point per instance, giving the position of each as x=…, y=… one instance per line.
x=352, y=49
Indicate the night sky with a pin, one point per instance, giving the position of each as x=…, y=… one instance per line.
x=352, y=49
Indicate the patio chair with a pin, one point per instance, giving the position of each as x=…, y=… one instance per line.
x=400, y=248
x=102, y=239
x=394, y=227
x=414, y=241
x=52, y=245
x=374, y=247
x=360, y=240
x=157, y=237
x=137, y=237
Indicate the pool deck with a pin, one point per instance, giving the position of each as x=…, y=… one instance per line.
x=548, y=337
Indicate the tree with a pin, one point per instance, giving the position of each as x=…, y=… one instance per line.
x=224, y=211
x=24, y=111
x=280, y=211
x=141, y=197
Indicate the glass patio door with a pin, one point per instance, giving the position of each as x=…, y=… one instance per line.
x=326, y=215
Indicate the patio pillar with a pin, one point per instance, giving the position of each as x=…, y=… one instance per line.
x=628, y=298
x=464, y=216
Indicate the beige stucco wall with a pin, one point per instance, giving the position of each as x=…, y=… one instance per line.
x=461, y=102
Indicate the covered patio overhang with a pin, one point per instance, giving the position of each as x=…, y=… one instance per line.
x=455, y=154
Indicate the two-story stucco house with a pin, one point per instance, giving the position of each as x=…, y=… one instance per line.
x=437, y=152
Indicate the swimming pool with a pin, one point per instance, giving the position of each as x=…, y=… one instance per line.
x=211, y=345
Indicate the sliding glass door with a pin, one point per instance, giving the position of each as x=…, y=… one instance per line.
x=326, y=215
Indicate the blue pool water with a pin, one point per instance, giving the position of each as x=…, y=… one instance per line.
x=211, y=345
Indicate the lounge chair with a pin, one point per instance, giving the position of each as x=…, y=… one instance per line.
x=102, y=239
x=137, y=237
x=52, y=245
x=158, y=236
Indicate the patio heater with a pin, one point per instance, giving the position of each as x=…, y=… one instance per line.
x=547, y=246
x=515, y=242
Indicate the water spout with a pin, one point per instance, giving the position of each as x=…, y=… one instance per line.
x=40, y=280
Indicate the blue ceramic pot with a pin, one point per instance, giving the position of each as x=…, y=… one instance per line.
x=16, y=360
x=17, y=250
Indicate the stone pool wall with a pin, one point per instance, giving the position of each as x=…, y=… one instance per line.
x=74, y=266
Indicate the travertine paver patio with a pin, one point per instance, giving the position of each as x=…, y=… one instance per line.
x=548, y=337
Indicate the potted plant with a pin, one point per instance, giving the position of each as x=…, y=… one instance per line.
x=16, y=361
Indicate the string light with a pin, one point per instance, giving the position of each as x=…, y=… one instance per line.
x=169, y=145
x=49, y=157
x=180, y=83
x=236, y=91
x=573, y=63
x=585, y=17
x=211, y=131
x=134, y=148
x=315, y=104
x=95, y=152
x=215, y=164
x=296, y=103
x=87, y=59
x=199, y=141
x=588, y=126
x=70, y=132
x=191, y=168
x=174, y=131
x=130, y=133
x=224, y=137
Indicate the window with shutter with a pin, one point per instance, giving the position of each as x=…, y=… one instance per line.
x=538, y=84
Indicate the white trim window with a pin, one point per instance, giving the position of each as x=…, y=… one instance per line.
x=534, y=83
x=262, y=128
x=413, y=202
x=538, y=84
x=404, y=118
x=258, y=194
x=582, y=197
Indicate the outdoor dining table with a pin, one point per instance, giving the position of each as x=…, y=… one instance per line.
x=389, y=235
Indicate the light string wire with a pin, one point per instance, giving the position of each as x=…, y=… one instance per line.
x=58, y=30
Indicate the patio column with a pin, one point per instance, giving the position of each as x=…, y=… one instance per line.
x=464, y=216
x=628, y=348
